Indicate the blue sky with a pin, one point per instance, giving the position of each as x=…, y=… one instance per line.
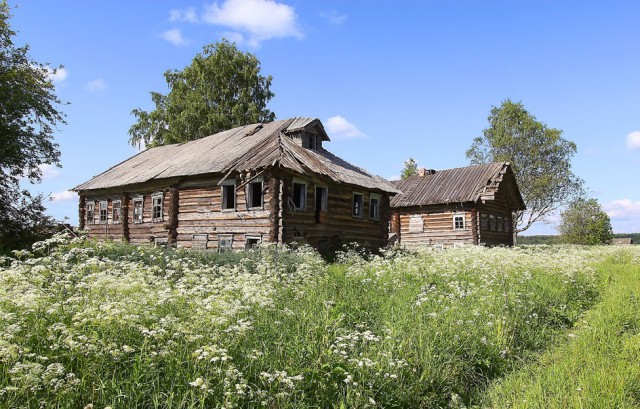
x=389, y=80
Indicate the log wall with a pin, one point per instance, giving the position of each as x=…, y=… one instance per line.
x=437, y=226
x=491, y=234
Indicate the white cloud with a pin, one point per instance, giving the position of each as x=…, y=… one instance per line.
x=340, y=128
x=56, y=74
x=255, y=20
x=633, y=140
x=49, y=171
x=622, y=209
x=394, y=177
x=333, y=17
x=96, y=85
x=189, y=15
x=174, y=36
x=65, y=196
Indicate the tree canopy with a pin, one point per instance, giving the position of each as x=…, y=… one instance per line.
x=584, y=222
x=539, y=155
x=28, y=118
x=410, y=168
x=220, y=90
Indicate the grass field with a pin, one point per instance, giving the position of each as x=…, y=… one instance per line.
x=118, y=326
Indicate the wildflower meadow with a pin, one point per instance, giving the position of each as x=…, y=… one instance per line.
x=111, y=325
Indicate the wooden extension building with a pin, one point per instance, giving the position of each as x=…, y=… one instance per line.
x=272, y=182
x=470, y=205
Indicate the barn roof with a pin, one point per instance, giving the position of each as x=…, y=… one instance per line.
x=247, y=147
x=459, y=185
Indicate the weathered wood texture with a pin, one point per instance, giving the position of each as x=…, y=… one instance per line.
x=436, y=223
x=496, y=233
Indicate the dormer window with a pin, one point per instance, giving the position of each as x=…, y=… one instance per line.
x=311, y=141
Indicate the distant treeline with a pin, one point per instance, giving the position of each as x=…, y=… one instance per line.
x=555, y=239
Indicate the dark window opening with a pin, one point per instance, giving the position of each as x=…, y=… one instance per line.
x=374, y=208
x=228, y=197
x=103, y=212
x=321, y=201
x=90, y=213
x=255, y=194
x=299, y=195
x=252, y=242
x=117, y=206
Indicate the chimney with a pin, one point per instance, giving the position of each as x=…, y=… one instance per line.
x=423, y=172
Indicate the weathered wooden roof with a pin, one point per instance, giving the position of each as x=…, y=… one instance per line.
x=459, y=185
x=622, y=240
x=247, y=147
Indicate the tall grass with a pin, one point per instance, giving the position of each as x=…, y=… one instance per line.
x=115, y=325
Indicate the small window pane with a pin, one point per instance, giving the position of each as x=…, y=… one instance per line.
x=484, y=221
x=225, y=242
x=103, y=211
x=492, y=222
x=157, y=208
x=90, y=213
x=358, y=201
x=137, y=211
x=458, y=221
x=116, y=211
x=374, y=208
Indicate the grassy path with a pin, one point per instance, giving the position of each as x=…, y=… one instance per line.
x=599, y=364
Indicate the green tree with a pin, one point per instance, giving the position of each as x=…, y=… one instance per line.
x=410, y=168
x=220, y=90
x=584, y=222
x=539, y=155
x=28, y=119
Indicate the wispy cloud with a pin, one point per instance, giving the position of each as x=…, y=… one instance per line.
x=65, y=196
x=174, y=36
x=333, y=17
x=340, y=128
x=189, y=15
x=96, y=85
x=633, y=140
x=49, y=171
x=248, y=22
x=622, y=209
x=56, y=75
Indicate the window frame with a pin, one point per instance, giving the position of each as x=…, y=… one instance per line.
x=140, y=219
x=493, y=223
x=91, y=209
x=324, y=204
x=117, y=220
x=157, y=196
x=303, y=195
x=378, y=198
x=249, y=193
x=223, y=237
x=252, y=237
x=224, y=197
x=463, y=216
x=106, y=212
x=359, y=215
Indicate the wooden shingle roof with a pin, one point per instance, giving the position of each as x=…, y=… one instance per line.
x=249, y=147
x=459, y=185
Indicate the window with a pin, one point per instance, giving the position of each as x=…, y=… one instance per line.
x=225, y=242
x=492, y=222
x=500, y=223
x=103, y=211
x=91, y=213
x=321, y=202
x=137, y=210
x=254, y=194
x=116, y=211
x=507, y=225
x=252, y=242
x=229, y=195
x=356, y=208
x=374, y=207
x=458, y=221
x=156, y=213
x=299, y=195
x=484, y=221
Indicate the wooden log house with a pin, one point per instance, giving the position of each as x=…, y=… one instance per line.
x=470, y=205
x=272, y=182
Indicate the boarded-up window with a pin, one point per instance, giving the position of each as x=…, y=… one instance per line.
x=91, y=213
x=103, y=211
x=358, y=201
x=416, y=224
x=157, y=207
x=116, y=211
x=137, y=210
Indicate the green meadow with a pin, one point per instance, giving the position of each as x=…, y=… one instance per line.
x=86, y=324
